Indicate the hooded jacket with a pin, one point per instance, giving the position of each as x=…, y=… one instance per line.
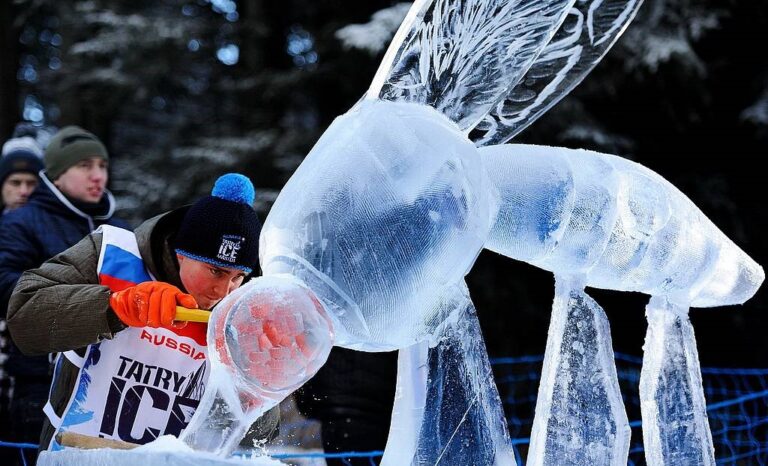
x=61, y=306
x=48, y=224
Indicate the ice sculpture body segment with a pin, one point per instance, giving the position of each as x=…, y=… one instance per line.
x=620, y=225
x=580, y=417
x=266, y=339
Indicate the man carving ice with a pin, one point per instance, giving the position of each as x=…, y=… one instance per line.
x=128, y=369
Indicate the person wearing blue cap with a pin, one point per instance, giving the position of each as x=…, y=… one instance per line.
x=109, y=304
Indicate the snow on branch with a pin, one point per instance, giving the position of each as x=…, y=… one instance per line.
x=374, y=36
x=757, y=113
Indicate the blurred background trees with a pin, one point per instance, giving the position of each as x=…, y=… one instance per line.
x=185, y=90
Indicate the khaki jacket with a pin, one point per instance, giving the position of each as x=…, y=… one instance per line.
x=61, y=306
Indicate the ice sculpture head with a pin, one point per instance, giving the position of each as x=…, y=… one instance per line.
x=264, y=340
x=389, y=209
x=271, y=336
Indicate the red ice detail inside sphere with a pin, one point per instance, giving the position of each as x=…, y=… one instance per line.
x=276, y=336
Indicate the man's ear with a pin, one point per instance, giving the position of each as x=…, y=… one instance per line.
x=180, y=258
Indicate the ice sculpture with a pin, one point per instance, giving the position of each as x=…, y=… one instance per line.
x=386, y=215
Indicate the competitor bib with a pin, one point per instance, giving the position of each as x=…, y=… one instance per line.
x=145, y=382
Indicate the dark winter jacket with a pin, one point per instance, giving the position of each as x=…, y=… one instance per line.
x=61, y=306
x=48, y=224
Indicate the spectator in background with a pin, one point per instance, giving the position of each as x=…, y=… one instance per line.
x=70, y=202
x=19, y=167
x=20, y=163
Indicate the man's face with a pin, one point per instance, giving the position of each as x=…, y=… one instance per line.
x=17, y=188
x=207, y=283
x=84, y=181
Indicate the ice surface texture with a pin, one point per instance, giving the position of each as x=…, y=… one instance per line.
x=588, y=32
x=675, y=427
x=614, y=221
x=460, y=57
x=580, y=417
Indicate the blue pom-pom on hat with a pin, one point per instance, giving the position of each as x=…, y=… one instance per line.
x=222, y=229
x=234, y=187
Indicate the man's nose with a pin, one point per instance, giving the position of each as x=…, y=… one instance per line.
x=220, y=289
x=223, y=288
x=98, y=174
x=233, y=284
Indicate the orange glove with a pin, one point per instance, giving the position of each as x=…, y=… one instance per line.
x=150, y=304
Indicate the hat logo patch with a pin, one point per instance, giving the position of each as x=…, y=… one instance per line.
x=74, y=138
x=230, y=246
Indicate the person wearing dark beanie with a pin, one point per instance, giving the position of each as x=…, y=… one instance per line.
x=19, y=170
x=121, y=289
x=69, y=146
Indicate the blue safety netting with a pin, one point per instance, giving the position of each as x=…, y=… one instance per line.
x=737, y=406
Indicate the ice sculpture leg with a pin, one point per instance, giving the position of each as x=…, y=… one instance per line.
x=580, y=418
x=675, y=427
x=447, y=409
x=408, y=411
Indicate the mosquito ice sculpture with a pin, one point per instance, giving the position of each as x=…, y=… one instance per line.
x=388, y=212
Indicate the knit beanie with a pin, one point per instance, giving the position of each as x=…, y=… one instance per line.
x=24, y=143
x=19, y=160
x=68, y=147
x=223, y=229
